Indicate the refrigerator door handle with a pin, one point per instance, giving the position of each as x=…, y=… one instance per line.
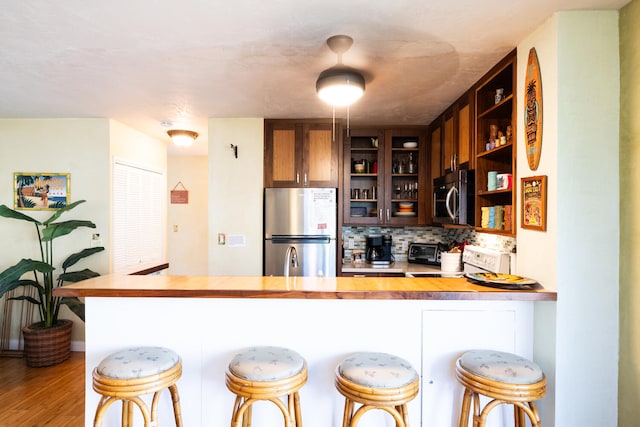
x=300, y=239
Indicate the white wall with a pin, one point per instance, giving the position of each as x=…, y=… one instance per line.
x=578, y=255
x=537, y=251
x=235, y=195
x=188, y=245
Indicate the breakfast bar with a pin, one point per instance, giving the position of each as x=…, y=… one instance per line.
x=427, y=321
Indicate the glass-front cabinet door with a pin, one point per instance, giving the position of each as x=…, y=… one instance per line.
x=364, y=177
x=384, y=176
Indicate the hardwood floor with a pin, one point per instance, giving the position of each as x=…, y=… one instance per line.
x=36, y=397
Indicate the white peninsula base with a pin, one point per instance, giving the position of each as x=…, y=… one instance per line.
x=206, y=332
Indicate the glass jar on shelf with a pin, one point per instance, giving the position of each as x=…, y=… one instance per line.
x=412, y=167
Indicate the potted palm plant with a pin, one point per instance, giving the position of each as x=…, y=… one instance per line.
x=48, y=341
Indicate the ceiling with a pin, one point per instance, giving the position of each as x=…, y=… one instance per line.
x=145, y=62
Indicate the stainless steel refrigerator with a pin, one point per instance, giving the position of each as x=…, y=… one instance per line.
x=300, y=227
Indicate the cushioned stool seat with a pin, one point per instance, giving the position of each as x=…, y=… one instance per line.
x=129, y=374
x=376, y=381
x=504, y=377
x=266, y=373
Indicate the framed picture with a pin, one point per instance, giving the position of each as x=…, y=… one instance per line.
x=40, y=191
x=534, y=203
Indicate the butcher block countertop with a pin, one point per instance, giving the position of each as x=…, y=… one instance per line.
x=398, y=288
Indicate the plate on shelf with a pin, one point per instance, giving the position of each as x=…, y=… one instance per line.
x=398, y=213
x=504, y=281
x=410, y=144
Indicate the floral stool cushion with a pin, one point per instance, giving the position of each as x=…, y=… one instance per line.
x=137, y=362
x=266, y=363
x=499, y=366
x=377, y=370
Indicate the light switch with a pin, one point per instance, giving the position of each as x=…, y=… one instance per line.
x=96, y=240
x=222, y=238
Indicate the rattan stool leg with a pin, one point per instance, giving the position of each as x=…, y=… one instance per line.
x=296, y=407
x=104, y=403
x=348, y=412
x=518, y=416
x=466, y=407
x=127, y=413
x=175, y=398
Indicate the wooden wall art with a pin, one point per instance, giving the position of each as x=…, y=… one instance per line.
x=533, y=110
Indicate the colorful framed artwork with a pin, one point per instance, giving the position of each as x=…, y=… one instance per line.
x=534, y=203
x=40, y=191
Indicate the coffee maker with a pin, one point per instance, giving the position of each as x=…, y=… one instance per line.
x=378, y=249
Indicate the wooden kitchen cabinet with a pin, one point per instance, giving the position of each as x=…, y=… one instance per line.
x=496, y=115
x=301, y=153
x=393, y=176
x=452, y=137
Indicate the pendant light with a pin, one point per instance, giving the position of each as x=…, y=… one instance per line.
x=182, y=138
x=340, y=86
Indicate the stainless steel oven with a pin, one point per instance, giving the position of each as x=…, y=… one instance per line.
x=453, y=198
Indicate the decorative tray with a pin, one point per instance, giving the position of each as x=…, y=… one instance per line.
x=502, y=281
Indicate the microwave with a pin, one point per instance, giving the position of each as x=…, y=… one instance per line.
x=453, y=198
x=424, y=253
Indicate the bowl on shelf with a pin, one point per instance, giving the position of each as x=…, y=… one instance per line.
x=358, y=167
x=410, y=144
x=406, y=205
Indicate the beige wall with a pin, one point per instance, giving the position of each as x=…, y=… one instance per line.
x=84, y=148
x=187, y=223
x=629, y=380
x=137, y=149
x=235, y=195
x=76, y=146
x=578, y=254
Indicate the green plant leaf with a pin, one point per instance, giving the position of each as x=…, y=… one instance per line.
x=74, y=258
x=60, y=211
x=10, y=213
x=77, y=276
x=74, y=305
x=59, y=229
x=10, y=278
x=15, y=284
x=27, y=298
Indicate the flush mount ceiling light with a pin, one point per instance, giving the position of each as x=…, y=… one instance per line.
x=340, y=85
x=182, y=138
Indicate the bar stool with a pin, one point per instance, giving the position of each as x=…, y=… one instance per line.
x=506, y=378
x=269, y=374
x=376, y=381
x=129, y=374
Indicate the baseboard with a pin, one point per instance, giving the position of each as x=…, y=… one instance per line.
x=77, y=346
x=14, y=344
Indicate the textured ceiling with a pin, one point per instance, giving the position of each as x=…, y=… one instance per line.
x=142, y=62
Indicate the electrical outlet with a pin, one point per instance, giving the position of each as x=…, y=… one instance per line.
x=352, y=243
x=175, y=228
x=405, y=247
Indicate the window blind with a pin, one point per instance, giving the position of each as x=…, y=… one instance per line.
x=138, y=233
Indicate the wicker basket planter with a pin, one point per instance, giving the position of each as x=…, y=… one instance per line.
x=47, y=346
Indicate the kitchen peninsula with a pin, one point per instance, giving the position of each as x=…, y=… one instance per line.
x=206, y=319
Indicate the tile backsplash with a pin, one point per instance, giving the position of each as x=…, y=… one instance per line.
x=408, y=235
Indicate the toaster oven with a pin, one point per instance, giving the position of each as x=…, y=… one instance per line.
x=424, y=253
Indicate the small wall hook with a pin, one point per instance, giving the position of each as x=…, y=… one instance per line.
x=235, y=150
